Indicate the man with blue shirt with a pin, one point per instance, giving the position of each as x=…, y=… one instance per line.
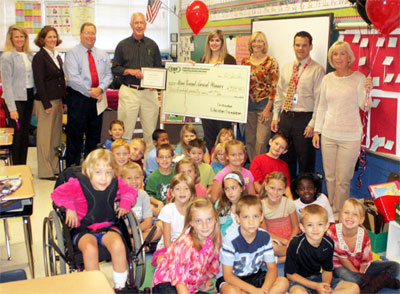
x=88, y=74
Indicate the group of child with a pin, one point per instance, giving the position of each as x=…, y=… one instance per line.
x=233, y=234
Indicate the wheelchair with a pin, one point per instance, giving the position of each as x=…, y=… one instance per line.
x=61, y=256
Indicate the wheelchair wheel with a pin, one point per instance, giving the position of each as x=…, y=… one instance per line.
x=53, y=240
x=137, y=267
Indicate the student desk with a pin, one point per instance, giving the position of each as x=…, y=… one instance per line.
x=90, y=282
x=23, y=199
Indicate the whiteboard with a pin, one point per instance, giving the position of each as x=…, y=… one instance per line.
x=280, y=33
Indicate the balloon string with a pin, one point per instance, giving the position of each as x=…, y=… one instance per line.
x=364, y=119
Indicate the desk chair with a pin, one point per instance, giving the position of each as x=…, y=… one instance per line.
x=12, y=276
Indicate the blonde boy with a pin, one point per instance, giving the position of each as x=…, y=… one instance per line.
x=132, y=174
x=244, y=250
x=310, y=251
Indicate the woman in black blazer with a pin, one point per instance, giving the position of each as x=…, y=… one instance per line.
x=50, y=84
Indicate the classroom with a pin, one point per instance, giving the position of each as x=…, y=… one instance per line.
x=213, y=146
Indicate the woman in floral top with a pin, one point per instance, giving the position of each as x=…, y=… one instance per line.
x=192, y=259
x=263, y=80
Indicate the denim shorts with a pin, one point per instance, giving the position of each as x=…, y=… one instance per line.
x=99, y=235
x=318, y=279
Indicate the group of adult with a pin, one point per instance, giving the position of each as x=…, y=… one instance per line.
x=79, y=84
x=299, y=101
x=303, y=103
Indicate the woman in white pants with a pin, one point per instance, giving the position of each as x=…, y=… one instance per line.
x=343, y=93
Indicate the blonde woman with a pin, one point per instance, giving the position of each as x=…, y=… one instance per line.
x=263, y=80
x=215, y=52
x=343, y=94
x=17, y=78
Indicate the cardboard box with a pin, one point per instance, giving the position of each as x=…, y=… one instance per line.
x=378, y=241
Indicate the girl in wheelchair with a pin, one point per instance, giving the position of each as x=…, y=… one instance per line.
x=89, y=203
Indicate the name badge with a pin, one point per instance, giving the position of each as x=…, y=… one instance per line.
x=295, y=98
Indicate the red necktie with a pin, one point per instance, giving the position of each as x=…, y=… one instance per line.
x=93, y=71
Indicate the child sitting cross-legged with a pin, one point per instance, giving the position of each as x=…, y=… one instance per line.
x=234, y=158
x=264, y=164
x=192, y=259
x=218, y=158
x=116, y=131
x=121, y=151
x=310, y=251
x=352, y=259
x=132, y=174
x=280, y=218
x=160, y=137
x=189, y=133
x=173, y=214
x=197, y=149
x=89, y=203
x=137, y=150
x=157, y=185
x=243, y=252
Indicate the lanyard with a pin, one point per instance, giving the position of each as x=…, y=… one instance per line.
x=295, y=78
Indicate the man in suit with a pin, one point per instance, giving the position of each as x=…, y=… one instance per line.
x=88, y=73
x=296, y=103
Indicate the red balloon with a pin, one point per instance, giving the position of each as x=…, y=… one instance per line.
x=197, y=16
x=384, y=14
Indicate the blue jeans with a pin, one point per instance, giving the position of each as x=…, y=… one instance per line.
x=374, y=269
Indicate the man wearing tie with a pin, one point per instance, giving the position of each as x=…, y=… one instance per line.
x=295, y=105
x=88, y=74
x=130, y=56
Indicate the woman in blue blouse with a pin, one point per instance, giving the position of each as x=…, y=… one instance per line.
x=17, y=78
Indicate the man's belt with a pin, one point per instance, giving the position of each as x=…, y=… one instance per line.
x=133, y=86
x=296, y=113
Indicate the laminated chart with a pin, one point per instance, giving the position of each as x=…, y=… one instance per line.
x=29, y=16
x=207, y=91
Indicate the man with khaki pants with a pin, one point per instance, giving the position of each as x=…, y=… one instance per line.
x=132, y=54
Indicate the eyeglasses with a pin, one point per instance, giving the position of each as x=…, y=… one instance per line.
x=89, y=33
x=258, y=41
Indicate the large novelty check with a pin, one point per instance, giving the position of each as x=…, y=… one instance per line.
x=208, y=91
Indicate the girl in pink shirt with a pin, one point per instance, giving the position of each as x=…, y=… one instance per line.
x=193, y=258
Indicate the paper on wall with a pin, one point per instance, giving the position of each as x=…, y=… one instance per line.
x=392, y=42
x=388, y=78
x=389, y=145
x=362, y=61
x=375, y=103
x=364, y=43
x=388, y=60
x=380, y=42
x=356, y=38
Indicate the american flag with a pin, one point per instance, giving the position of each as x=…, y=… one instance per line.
x=153, y=6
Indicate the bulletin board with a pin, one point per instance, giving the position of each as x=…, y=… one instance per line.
x=383, y=133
